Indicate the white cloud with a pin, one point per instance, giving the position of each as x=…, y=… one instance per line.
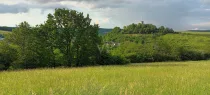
x=12, y=2
x=77, y=4
x=34, y=17
x=195, y=29
x=207, y=9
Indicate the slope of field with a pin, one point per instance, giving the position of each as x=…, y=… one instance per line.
x=4, y=32
x=198, y=33
x=170, y=78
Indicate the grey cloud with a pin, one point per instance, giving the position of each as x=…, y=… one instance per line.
x=112, y=4
x=49, y=1
x=169, y=13
x=24, y=8
x=18, y=8
x=97, y=3
x=177, y=14
x=52, y=4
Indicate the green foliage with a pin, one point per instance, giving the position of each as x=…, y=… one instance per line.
x=108, y=59
x=157, y=47
x=142, y=28
x=22, y=37
x=67, y=38
x=113, y=35
x=8, y=54
x=59, y=58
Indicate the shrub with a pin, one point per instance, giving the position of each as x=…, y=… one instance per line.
x=108, y=59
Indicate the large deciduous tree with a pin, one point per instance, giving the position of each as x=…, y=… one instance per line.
x=74, y=36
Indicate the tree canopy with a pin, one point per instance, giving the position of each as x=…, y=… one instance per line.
x=67, y=38
x=142, y=28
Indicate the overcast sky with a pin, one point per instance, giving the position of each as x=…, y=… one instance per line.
x=176, y=14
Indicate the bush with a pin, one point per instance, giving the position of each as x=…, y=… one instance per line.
x=2, y=67
x=161, y=57
x=108, y=59
x=138, y=58
x=193, y=55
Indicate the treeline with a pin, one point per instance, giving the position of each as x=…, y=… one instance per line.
x=103, y=31
x=199, y=30
x=142, y=28
x=157, y=47
x=66, y=39
x=5, y=28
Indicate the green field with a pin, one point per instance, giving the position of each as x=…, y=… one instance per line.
x=169, y=78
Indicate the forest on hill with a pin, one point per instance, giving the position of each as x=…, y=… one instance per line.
x=67, y=39
x=161, y=45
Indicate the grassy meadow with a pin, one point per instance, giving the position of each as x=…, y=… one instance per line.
x=168, y=78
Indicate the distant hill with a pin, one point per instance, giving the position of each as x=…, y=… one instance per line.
x=102, y=31
x=199, y=30
x=4, y=28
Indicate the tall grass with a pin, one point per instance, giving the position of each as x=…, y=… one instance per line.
x=169, y=78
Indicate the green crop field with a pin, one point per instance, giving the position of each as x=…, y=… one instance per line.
x=168, y=78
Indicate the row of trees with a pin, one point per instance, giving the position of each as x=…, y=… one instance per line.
x=5, y=28
x=142, y=28
x=67, y=38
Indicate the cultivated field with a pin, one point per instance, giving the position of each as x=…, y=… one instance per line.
x=169, y=78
